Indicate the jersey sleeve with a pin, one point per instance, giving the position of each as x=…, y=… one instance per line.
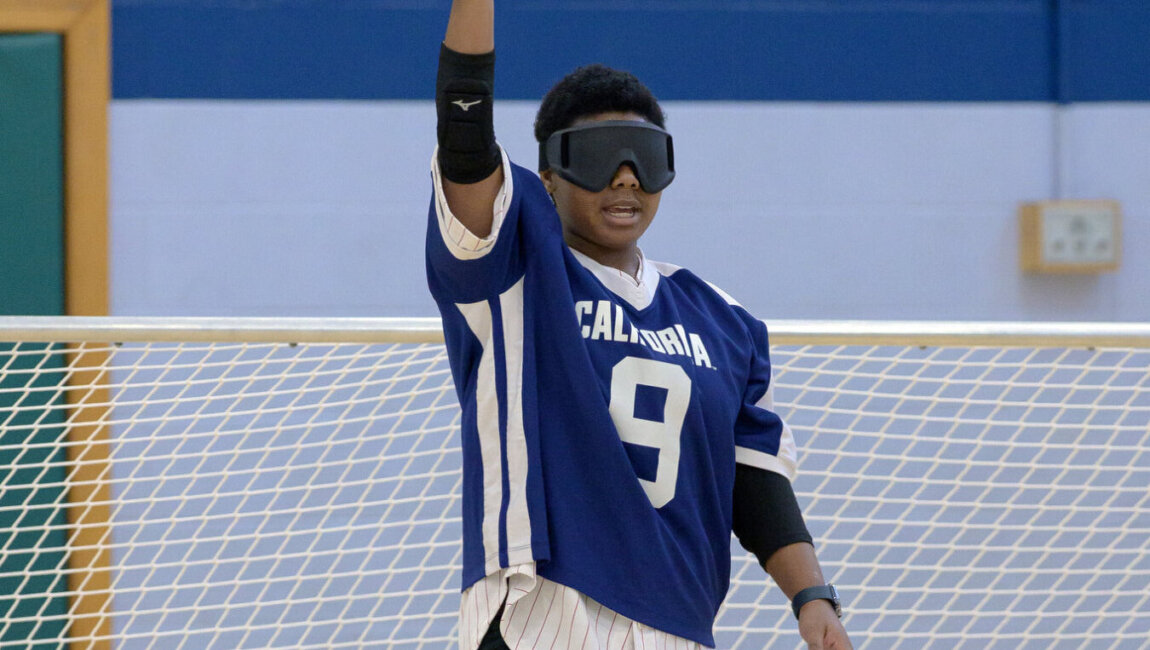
x=461, y=266
x=762, y=438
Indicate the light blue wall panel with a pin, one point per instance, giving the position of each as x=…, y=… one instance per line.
x=799, y=210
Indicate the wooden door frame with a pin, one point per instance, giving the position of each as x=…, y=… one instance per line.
x=85, y=28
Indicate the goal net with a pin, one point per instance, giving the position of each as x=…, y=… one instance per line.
x=252, y=483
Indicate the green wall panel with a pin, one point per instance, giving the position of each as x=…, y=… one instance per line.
x=31, y=175
x=32, y=515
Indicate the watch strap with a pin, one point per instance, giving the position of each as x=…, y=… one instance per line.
x=818, y=592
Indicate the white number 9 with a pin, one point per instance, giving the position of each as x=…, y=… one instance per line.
x=626, y=377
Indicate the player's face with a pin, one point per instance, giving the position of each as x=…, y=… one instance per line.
x=605, y=225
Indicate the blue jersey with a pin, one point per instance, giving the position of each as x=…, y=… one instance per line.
x=602, y=417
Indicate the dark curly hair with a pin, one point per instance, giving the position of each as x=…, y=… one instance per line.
x=594, y=89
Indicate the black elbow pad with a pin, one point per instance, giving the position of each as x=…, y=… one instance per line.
x=465, y=130
x=766, y=513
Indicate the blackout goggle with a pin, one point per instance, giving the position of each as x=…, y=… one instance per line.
x=588, y=155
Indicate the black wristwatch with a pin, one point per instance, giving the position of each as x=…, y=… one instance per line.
x=819, y=592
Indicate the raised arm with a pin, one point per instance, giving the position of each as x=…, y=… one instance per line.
x=471, y=26
x=469, y=161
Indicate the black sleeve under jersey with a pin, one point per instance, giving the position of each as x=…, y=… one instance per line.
x=766, y=513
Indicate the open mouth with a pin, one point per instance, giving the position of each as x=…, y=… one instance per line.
x=621, y=212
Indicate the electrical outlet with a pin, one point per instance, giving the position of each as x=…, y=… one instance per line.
x=1070, y=236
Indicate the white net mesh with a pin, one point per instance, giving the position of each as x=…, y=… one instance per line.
x=258, y=495
x=971, y=497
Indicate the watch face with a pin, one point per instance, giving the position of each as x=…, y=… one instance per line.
x=835, y=601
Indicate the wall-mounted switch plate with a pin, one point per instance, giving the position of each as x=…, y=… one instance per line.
x=1070, y=236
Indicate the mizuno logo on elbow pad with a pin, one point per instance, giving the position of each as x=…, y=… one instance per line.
x=466, y=105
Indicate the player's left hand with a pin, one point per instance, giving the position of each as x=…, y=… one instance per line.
x=821, y=628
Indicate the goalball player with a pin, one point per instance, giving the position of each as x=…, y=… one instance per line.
x=617, y=419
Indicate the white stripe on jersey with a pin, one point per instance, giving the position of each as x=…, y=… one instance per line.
x=546, y=615
x=518, y=530
x=786, y=462
x=478, y=316
x=518, y=518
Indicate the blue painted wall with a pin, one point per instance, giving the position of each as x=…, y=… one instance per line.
x=857, y=50
x=1106, y=49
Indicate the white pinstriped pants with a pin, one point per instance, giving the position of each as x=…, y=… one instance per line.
x=545, y=615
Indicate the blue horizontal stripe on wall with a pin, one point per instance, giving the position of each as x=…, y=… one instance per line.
x=1106, y=50
x=862, y=50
